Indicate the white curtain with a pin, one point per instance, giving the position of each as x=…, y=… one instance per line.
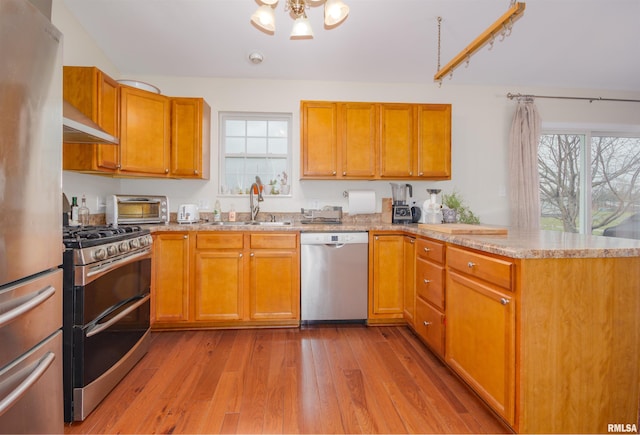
x=524, y=181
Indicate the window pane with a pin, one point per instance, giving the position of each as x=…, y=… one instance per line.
x=615, y=169
x=257, y=128
x=278, y=129
x=256, y=145
x=559, y=167
x=234, y=145
x=278, y=146
x=235, y=128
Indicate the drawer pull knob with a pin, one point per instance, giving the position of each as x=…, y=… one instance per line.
x=426, y=249
x=504, y=301
x=427, y=281
x=425, y=323
x=240, y=255
x=471, y=264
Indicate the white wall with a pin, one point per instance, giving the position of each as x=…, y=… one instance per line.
x=480, y=128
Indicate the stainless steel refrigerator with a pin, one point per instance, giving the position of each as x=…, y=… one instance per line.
x=31, y=399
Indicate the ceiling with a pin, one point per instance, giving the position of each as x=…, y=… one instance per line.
x=590, y=44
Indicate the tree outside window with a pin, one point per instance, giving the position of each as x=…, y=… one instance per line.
x=589, y=183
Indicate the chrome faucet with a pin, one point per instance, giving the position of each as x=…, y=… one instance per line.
x=255, y=207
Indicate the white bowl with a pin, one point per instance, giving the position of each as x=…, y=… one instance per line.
x=140, y=85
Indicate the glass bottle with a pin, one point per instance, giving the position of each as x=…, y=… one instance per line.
x=217, y=212
x=83, y=212
x=74, y=211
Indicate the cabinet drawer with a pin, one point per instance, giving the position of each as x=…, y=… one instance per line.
x=430, y=250
x=494, y=270
x=430, y=326
x=273, y=241
x=222, y=240
x=430, y=282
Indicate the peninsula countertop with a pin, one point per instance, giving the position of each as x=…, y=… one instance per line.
x=515, y=244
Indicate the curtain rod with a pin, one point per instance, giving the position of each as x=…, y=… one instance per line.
x=589, y=99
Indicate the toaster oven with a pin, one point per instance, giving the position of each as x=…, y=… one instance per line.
x=137, y=209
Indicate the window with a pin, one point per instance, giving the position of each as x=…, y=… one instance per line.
x=590, y=183
x=254, y=144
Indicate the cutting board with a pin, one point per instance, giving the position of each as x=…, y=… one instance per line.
x=463, y=229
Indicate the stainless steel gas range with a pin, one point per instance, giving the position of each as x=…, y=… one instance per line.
x=106, y=311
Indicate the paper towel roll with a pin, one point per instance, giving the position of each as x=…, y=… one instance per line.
x=362, y=202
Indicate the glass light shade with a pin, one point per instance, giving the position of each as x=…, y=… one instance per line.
x=301, y=28
x=335, y=11
x=264, y=18
x=269, y=2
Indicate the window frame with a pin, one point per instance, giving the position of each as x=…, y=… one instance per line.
x=223, y=116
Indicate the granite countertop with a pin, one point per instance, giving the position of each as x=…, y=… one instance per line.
x=516, y=244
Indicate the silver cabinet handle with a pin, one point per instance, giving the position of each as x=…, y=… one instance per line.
x=425, y=323
x=241, y=255
x=412, y=241
x=427, y=281
x=344, y=173
x=471, y=264
x=166, y=171
x=334, y=173
x=252, y=254
x=185, y=237
x=504, y=301
x=35, y=299
x=31, y=379
x=427, y=249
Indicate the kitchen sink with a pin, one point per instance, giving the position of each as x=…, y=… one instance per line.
x=262, y=224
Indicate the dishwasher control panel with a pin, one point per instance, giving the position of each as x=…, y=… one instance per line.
x=334, y=238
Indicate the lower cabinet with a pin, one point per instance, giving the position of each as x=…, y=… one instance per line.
x=386, y=277
x=409, y=290
x=210, y=279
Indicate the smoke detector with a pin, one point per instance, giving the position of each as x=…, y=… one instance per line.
x=255, y=58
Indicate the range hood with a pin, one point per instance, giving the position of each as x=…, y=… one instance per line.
x=78, y=128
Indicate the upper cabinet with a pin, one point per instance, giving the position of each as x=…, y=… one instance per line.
x=96, y=95
x=160, y=136
x=349, y=140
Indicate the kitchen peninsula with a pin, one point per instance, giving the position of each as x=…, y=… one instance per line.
x=542, y=325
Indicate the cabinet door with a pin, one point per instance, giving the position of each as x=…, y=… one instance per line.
x=409, y=290
x=218, y=281
x=397, y=140
x=429, y=325
x=434, y=141
x=357, y=125
x=480, y=340
x=318, y=131
x=274, y=286
x=170, y=287
x=190, y=138
x=96, y=95
x=387, y=261
x=144, y=133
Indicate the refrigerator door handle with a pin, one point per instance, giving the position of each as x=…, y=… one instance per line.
x=40, y=368
x=32, y=301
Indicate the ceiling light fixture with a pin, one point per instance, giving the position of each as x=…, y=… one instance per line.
x=335, y=12
x=501, y=27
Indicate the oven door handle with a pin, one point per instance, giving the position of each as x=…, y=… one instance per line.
x=94, y=273
x=41, y=366
x=99, y=327
x=34, y=299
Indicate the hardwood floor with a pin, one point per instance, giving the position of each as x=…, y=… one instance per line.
x=327, y=379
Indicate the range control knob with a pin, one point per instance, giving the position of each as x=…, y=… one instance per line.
x=134, y=244
x=112, y=250
x=99, y=254
x=124, y=246
x=144, y=241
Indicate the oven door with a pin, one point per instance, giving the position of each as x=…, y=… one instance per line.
x=111, y=327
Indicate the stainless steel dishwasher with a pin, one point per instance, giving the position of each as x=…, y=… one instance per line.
x=334, y=277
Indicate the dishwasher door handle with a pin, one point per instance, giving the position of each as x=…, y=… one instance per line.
x=335, y=245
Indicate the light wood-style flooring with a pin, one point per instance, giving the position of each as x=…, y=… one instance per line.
x=325, y=379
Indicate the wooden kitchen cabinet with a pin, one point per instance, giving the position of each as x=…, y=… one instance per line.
x=397, y=141
x=386, y=277
x=430, y=293
x=145, y=142
x=318, y=131
x=373, y=141
x=481, y=327
x=170, y=278
x=190, y=138
x=218, y=286
x=433, y=147
x=96, y=95
x=409, y=289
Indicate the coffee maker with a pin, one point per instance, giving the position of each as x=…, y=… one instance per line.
x=401, y=210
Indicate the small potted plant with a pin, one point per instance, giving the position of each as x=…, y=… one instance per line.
x=273, y=190
x=456, y=210
x=284, y=180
